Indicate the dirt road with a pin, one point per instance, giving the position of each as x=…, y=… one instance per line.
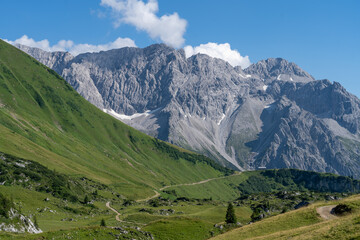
x=196, y=183
x=157, y=194
x=114, y=210
x=324, y=212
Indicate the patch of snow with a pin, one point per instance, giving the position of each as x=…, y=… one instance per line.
x=269, y=106
x=128, y=117
x=265, y=87
x=278, y=78
x=246, y=76
x=222, y=118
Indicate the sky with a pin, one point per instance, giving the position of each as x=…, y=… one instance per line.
x=321, y=36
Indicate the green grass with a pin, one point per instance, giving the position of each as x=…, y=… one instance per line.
x=83, y=233
x=290, y=220
x=181, y=229
x=32, y=203
x=224, y=189
x=43, y=119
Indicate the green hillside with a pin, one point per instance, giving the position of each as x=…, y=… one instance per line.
x=43, y=119
x=305, y=223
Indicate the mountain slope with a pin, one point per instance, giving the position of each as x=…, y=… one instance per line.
x=304, y=223
x=272, y=114
x=43, y=119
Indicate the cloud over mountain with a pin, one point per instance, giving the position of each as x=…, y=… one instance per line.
x=170, y=29
x=70, y=46
x=222, y=51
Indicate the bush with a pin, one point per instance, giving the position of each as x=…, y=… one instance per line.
x=5, y=206
x=103, y=223
x=36, y=224
x=341, y=209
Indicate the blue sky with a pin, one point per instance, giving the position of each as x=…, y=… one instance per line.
x=322, y=36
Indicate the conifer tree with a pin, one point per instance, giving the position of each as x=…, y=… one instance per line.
x=230, y=214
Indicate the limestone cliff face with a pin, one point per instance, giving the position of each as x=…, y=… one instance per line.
x=272, y=114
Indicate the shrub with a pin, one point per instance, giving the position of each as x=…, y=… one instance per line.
x=5, y=206
x=103, y=223
x=341, y=209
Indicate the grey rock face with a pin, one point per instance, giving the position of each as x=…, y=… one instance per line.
x=272, y=114
x=278, y=69
x=53, y=60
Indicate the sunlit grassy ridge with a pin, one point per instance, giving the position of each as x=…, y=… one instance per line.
x=43, y=119
x=304, y=223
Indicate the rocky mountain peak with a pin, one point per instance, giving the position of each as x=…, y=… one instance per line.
x=278, y=69
x=54, y=60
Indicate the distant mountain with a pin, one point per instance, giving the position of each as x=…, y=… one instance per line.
x=271, y=115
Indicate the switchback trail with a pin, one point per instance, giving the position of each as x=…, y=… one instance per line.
x=325, y=212
x=157, y=194
x=197, y=183
x=114, y=210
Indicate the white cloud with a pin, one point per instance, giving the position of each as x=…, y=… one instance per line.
x=170, y=29
x=70, y=46
x=222, y=51
x=25, y=40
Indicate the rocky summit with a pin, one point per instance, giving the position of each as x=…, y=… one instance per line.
x=272, y=114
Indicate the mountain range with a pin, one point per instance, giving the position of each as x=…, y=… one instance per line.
x=272, y=114
x=43, y=119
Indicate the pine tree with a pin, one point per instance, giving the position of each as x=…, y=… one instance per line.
x=230, y=214
x=102, y=223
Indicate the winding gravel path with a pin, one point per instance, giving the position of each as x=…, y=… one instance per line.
x=325, y=212
x=197, y=183
x=114, y=210
x=157, y=194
